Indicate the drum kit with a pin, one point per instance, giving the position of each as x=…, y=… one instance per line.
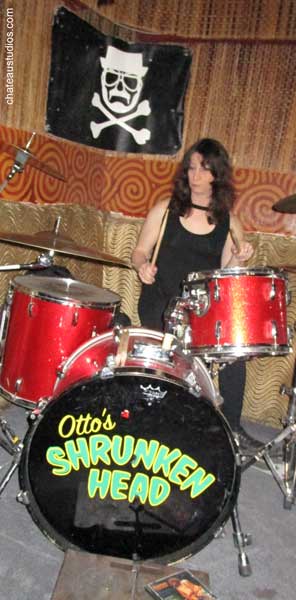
x=105, y=466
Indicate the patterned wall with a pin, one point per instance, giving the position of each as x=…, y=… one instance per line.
x=242, y=87
x=131, y=185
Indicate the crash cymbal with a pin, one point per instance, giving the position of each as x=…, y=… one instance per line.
x=30, y=159
x=48, y=240
x=286, y=205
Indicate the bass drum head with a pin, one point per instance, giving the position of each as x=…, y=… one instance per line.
x=131, y=466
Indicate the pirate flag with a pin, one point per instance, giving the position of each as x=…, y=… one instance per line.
x=113, y=95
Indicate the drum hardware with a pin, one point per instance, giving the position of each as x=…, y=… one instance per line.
x=286, y=205
x=218, y=329
x=287, y=482
x=13, y=446
x=274, y=332
x=241, y=540
x=287, y=438
x=216, y=291
x=23, y=157
x=273, y=290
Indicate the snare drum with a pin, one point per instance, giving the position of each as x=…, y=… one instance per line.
x=131, y=460
x=231, y=313
x=44, y=320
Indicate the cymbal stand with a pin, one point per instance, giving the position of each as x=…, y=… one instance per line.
x=43, y=261
x=287, y=437
x=18, y=166
x=11, y=444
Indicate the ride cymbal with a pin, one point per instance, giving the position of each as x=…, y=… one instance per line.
x=286, y=205
x=30, y=159
x=48, y=240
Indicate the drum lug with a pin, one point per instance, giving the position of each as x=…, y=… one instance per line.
x=272, y=290
x=30, y=308
x=288, y=297
x=18, y=384
x=108, y=371
x=192, y=382
x=217, y=291
x=290, y=336
x=75, y=318
x=23, y=498
x=218, y=328
x=274, y=332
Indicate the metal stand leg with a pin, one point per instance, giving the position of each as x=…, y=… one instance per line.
x=12, y=444
x=240, y=541
x=289, y=447
x=287, y=481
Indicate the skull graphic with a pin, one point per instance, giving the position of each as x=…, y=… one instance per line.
x=122, y=82
x=122, y=79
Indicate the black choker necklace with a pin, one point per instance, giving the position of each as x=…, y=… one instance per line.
x=199, y=206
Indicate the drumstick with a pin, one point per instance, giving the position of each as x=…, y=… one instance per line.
x=160, y=236
x=235, y=240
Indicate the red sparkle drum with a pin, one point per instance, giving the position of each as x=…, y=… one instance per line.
x=133, y=459
x=43, y=321
x=137, y=350
x=231, y=313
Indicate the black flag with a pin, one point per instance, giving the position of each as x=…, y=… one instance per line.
x=114, y=95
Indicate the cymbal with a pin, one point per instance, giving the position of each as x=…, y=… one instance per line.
x=30, y=159
x=48, y=240
x=286, y=205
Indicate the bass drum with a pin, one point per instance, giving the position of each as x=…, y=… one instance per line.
x=134, y=461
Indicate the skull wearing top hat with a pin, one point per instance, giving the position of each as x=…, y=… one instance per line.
x=122, y=79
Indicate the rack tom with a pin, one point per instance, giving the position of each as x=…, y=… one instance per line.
x=231, y=313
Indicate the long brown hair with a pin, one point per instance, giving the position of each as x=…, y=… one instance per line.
x=216, y=158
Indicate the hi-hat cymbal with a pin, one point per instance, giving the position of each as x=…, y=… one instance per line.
x=48, y=240
x=30, y=159
x=286, y=205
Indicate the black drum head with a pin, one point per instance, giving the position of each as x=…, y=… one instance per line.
x=132, y=466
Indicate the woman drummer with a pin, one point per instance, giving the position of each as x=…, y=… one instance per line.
x=198, y=236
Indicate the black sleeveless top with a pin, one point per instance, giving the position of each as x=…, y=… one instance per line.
x=180, y=253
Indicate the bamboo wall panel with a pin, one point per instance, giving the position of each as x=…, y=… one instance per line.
x=244, y=95
x=233, y=19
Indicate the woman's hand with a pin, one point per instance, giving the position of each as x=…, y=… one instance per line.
x=147, y=273
x=244, y=252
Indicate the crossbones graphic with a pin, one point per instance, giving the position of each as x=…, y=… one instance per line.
x=141, y=136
